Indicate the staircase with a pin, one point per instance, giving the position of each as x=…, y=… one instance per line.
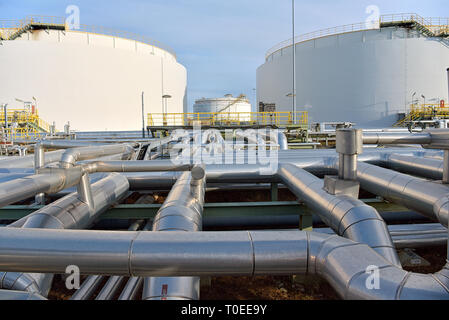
x=20, y=31
x=412, y=116
x=18, y=28
x=423, y=25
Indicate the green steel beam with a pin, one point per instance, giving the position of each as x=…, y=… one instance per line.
x=230, y=209
x=148, y=211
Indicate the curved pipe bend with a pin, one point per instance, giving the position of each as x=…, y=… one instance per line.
x=347, y=216
x=71, y=156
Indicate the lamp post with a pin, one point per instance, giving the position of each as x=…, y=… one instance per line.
x=165, y=97
x=294, y=63
x=143, y=116
x=255, y=100
x=5, y=113
x=292, y=95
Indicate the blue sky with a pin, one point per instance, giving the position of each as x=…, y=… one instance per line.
x=221, y=43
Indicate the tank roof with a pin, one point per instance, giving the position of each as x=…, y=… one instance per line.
x=429, y=26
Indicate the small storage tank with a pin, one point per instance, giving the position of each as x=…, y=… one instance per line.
x=226, y=108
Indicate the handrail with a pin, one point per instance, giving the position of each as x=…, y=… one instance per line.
x=25, y=117
x=431, y=23
x=229, y=118
x=12, y=26
x=422, y=111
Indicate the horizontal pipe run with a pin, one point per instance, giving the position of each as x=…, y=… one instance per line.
x=396, y=138
x=411, y=235
x=423, y=167
x=47, y=181
x=428, y=198
x=135, y=166
x=71, y=156
x=217, y=253
x=91, y=284
x=28, y=161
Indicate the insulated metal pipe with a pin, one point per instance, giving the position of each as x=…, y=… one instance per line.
x=88, y=288
x=412, y=235
x=343, y=263
x=71, y=156
x=428, y=198
x=69, y=144
x=181, y=211
x=110, y=288
x=91, y=284
x=396, y=138
x=114, y=282
x=347, y=216
x=423, y=167
x=39, y=162
x=282, y=140
x=28, y=161
x=69, y=212
x=131, y=288
x=19, y=295
x=135, y=166
x=349, y=145
x=446, y=167
x=47, y=181
x=85, y=191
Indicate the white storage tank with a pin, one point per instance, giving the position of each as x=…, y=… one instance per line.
x=228, y=107
x=94, y=80
x=353, y=74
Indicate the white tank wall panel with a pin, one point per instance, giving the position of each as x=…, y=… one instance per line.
x=93, y=81
x=364, y=77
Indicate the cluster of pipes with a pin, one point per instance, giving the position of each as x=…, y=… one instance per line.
x=168, y=256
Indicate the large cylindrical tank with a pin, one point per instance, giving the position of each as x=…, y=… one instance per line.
x=228, y=107
x=95, y=81
x=368, y=77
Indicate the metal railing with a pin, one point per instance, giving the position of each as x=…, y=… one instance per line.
x=424, y=111
x=22, y=133
x=278, y=119
x=434, y=24
x=9, y=27
x=25, y=118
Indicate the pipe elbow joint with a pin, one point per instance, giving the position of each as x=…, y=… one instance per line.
x=441, y=210
x=69, y=158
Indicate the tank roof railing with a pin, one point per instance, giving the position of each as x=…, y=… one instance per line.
x=14, y=25
x=435, y=24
